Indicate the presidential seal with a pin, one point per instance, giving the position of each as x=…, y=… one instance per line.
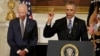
x=69, y=50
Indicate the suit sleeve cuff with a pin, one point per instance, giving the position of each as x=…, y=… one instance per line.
x=26, y=50
x=18, y=51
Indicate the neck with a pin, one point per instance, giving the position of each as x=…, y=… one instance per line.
x=69, y=18
x=22, y=18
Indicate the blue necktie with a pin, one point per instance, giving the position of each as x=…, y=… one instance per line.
x=69, y=26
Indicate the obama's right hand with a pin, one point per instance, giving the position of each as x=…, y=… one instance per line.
x=50, y=16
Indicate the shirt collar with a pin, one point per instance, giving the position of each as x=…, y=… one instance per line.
x=23, y=21
x=72, y=19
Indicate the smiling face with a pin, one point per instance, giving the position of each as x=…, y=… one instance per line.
x=70, y=10
x=22, y=11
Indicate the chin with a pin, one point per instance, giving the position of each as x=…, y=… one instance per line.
x=69, y=17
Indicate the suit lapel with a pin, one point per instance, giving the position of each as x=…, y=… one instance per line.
x=26, y=28
x=27, y=25
x=18, y=27
x=75, y=24
x=65, y=22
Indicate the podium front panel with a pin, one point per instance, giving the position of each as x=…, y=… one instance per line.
x=82, y=48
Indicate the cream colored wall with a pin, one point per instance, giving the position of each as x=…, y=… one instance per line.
x=3, y=9
x=4, y=48
x=41, y=20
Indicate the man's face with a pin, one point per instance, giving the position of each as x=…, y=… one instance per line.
x=22, y=13
x=70, y=11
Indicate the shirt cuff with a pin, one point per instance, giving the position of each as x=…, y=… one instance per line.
x=26, y=50
x=18, y=51
x=48, y=24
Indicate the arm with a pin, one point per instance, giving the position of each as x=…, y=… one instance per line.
x=34, y=39
x=93, y=17
x=48, y=30
x=10, y=36
x=91, y=9
x=11, y=42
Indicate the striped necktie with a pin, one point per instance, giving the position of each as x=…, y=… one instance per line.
x=69, y=26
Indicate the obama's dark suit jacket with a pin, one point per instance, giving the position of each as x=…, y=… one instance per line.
x=79, y=30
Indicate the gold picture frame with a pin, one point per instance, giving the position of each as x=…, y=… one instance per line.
x=57, y=9
x=43, y=6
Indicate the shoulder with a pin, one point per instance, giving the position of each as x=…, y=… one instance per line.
x=79, y=20
x=61, y=19
x=32, y=21
x=14, y=20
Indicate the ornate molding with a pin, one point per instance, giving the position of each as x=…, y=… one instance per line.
x=11, y=14
x=58, y=9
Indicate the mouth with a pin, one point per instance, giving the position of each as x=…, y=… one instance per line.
x=68, y=15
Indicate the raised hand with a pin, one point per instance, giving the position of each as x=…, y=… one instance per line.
x=50, y=16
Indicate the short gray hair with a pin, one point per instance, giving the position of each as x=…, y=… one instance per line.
x=23, y=5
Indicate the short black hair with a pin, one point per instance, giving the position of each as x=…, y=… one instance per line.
x=71, y=3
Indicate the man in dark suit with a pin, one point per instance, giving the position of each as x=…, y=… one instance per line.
x=22, y=34
x=67, y=28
